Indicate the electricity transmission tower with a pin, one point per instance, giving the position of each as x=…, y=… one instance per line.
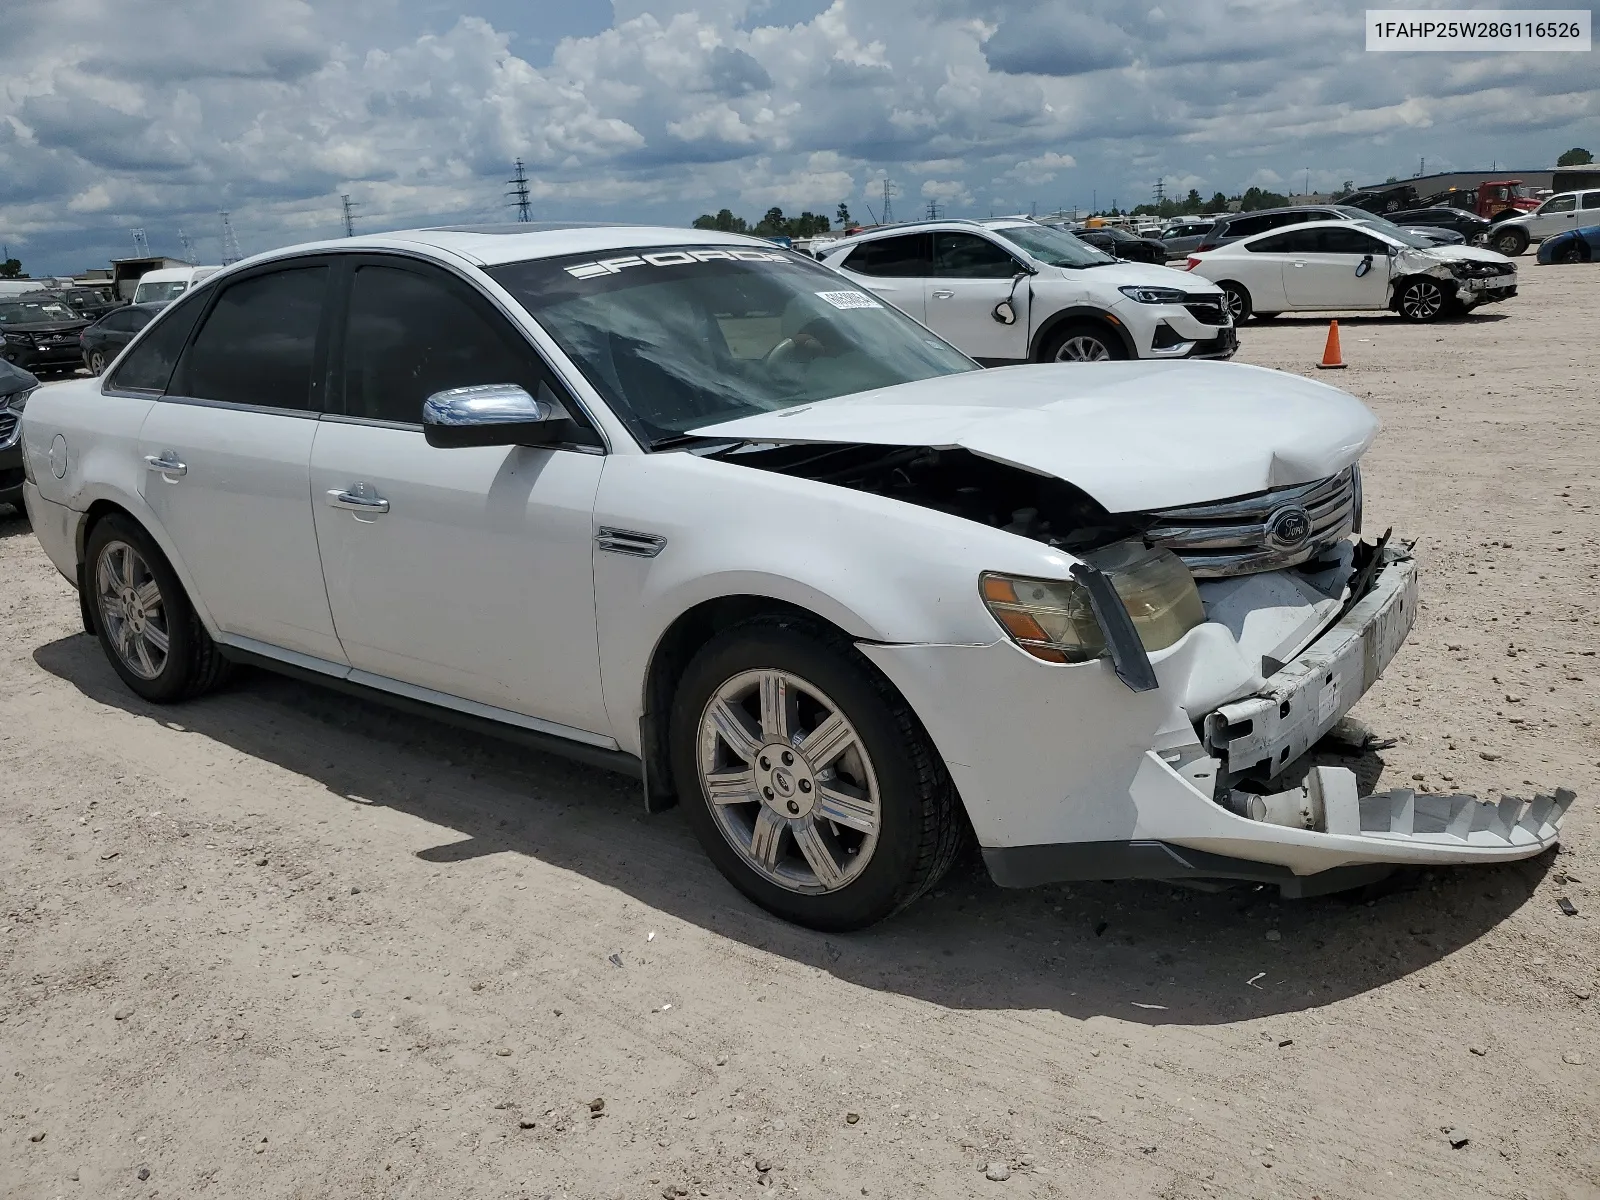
x=141, y=244
x=349, y=216
x=230, y=241
x=1159, y=192
x=188, y=246
x=933, y=211
x=888, y=203
x=519, y=192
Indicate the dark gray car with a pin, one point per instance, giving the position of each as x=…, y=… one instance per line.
x=1185, y=236
x=1242, y=225
x=15, y=386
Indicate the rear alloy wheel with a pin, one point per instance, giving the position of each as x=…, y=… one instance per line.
x=1422, y=299
x=1239, y=306
x=1510, y=242
x=807, y=779
x=97, y=362
x=144, y=621
x=1083, y=343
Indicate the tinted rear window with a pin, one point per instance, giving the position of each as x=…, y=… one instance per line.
x=258, y=343
x=907, y=257
x=148, y=367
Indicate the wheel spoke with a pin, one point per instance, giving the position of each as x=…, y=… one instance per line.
x=815, y=848
x=141, y=651
x=764, y=838
x=148, y=593
x=157, y=638
x=734, y=729
x=827, y=741
x=124, y=636
x=776, y=703
x=844, y=805
x=732, y=787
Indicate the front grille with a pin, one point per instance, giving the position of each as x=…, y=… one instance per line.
x=8, y=428
x=1264, y=532
x=1208, y=310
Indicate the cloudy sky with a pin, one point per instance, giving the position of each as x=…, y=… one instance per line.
x=117, y=114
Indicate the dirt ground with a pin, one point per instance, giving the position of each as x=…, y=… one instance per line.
x=279, y=943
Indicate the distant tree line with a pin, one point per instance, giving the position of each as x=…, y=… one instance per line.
x=774, y=223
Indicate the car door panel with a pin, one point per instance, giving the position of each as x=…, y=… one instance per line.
x=971, y=277
x=468, y=571
x=1340, y=268
x=227, y=454
x=895, y=269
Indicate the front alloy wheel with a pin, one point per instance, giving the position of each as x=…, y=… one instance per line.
x=806, y=776
x=1422, y=299
x=791, y=785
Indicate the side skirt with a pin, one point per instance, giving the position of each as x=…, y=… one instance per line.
x=551, y=743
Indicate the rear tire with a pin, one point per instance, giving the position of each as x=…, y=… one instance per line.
x=1082, y=342
x=97, y=362
x=1510, y=242
x=902, y=824
x=143, y=618
x=1238, y=301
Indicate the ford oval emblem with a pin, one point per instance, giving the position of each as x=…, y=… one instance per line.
x=1289, y=528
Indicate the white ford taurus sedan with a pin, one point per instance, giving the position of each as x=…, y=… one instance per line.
x=698, y=508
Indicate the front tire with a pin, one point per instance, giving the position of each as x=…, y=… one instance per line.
x=807, y=779
x=1570, y=253
x=1422, y=299
x=1082, y=342
x=1510, y=242
x=143, y=618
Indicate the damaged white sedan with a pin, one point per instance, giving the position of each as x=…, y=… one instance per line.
x=694, y=507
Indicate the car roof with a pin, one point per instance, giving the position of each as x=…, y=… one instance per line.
x=1288, y=208
x=943, y=224
x=1320, y=224
x=495, y=245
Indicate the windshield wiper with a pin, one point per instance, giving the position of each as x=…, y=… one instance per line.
x=673, y=440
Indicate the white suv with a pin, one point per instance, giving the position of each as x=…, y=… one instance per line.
x=1011, y=290
x=686, y=505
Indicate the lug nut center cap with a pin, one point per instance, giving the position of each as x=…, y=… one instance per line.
x=788, y=789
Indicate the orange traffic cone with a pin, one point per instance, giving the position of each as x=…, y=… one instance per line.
x=1331, y=358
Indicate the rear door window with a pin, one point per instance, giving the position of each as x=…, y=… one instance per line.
x=1591, y=200
x=907, y=257
x=148, y=367
x=258, y=344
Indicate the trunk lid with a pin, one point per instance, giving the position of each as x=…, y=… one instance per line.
x=1133, y=435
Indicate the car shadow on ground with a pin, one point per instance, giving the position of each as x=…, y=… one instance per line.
x=13, y=521
x=1357, y=319
x=1146, y=953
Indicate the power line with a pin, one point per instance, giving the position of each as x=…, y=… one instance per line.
x=519, y=193
x=349, y=216
x=230, y=241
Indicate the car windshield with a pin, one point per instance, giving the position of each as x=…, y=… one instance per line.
x=1390, y=229
x=27, y=312
x=147, y=292
x=1053, y=247
x=676, y=338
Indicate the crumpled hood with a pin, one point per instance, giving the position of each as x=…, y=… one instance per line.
x=1472, y=253
x=1134, y=435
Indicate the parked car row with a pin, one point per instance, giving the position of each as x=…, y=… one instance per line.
x=795, y=561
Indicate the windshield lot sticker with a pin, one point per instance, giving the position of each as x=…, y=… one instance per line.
x=849, y=299
x=669, y=258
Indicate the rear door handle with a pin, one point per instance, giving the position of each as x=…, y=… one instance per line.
x=361, y=499
x=944, y=295
x=1299, y=262
x=166, y=462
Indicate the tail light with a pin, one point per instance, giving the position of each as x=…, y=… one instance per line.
x=1192, y=263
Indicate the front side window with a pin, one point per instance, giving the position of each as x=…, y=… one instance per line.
x=1559, y=204
x=907, y=257
x=968, y=256
x=258, y=343
x=677, y=338
x=1349, y=241
x=411, y=334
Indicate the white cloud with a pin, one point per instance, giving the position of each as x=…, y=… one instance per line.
x=115, y=113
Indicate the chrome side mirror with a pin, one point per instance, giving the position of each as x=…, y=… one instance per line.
x=489, y=414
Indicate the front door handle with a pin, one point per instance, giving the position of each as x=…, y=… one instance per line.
x=167, y=462
x=943, y=295
x=359, y=499
x=1299, y=262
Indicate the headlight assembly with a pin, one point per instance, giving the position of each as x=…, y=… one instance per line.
x=16, y=402
x=1054, y=619
x=1154, y=295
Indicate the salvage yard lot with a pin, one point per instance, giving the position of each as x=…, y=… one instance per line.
x=277, y=942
